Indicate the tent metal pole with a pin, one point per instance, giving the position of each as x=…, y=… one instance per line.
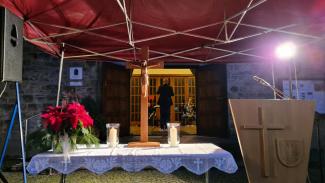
x=275, y=30
x=201, y=37
x=227, y=55
x=42, y=42
x=179, y=52
x=92, y=55
x=60, y=76
x=95, y=53
x=127, y=20
x=247, y=9
x=296, y=80
x=290, y=81
x=175, y=55
x=76, y=31
x=258, y=34
x=154, y=27
x=129, y=26
x=273, y=79
x=174, y=32
x=239, y=53
x=220, y=31
x=241, y=18
x=226, y=26
x=40, y=34
x=86, y=32
x=155, y=37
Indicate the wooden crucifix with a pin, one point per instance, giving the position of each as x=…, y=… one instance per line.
x=144, y=65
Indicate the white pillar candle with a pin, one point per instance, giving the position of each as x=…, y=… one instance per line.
x=112, y=138
x=173, y=136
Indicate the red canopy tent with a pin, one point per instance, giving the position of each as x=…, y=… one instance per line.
x=183, y=31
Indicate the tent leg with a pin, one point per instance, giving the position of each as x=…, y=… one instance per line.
x=60, y=76
x=21, y=134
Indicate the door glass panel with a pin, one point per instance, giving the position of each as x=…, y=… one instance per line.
x=181, y=112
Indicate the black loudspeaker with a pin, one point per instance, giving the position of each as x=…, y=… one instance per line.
x=11, y=46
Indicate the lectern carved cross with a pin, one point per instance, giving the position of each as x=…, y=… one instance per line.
x=264, y=143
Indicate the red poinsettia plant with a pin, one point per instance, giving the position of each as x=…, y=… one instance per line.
x=72, y=120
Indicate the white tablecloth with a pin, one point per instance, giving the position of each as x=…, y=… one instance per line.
x=197, y=158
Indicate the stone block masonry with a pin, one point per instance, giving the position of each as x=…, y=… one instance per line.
x=39, y=89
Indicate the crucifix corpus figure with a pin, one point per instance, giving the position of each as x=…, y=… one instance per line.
x=144, y=78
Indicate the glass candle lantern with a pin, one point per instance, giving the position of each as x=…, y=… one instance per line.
x=173, y=134
x=112, y=134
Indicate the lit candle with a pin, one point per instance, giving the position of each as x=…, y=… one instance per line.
x=112, y=138
x=173, y=136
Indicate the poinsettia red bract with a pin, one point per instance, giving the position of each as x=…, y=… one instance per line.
x=79, y=114
x=58, y=119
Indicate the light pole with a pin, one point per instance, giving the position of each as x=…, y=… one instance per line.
x=286, y=51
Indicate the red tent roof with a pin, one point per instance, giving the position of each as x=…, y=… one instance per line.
x=182, y=31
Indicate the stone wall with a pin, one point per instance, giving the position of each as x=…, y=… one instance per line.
x=241, y=84
x=39, y=89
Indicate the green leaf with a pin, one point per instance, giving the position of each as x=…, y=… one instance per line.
x=85, y=131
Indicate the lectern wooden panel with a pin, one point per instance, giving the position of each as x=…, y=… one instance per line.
x=274, y=137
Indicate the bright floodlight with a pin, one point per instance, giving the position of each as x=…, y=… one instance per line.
x=286, y=51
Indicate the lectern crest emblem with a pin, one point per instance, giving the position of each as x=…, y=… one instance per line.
x=290, y=152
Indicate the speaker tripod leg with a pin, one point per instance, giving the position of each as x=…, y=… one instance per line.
x=4, y=149
x=3, y=178
x=22, y=144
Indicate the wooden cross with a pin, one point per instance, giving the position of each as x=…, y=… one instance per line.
x=264, y=142
x=144, y=141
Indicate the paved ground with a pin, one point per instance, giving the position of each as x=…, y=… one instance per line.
x=120, y=176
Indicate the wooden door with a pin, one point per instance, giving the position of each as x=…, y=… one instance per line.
x=212, y=112
x=116, y=96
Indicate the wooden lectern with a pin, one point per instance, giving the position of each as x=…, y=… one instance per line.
x=274, y=137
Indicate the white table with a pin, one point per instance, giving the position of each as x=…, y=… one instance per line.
x=197, y=158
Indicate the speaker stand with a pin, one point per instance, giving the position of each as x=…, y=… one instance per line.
x=4, y=149
x=3, y=178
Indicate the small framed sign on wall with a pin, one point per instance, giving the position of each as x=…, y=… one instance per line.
x=75, y=73
x=308, y=90
x=75, y=76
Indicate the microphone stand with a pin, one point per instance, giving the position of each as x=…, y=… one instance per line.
x=273, y=80
x=290, y=82
x=276, y=91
